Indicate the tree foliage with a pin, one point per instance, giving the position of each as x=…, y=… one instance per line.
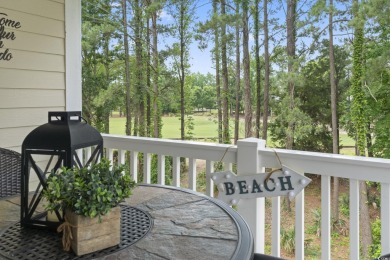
x=160, y=73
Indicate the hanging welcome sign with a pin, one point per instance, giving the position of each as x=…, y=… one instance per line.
x=7, y=26
x=280, y=182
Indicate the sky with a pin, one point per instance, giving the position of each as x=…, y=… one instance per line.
x=200, y=60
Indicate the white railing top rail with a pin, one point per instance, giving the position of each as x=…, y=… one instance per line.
x=178, y=148
x=344, y=166
x=354, y=167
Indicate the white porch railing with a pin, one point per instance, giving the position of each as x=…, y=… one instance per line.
x=250, y=156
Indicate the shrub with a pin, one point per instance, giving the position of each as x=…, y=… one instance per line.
x=344, y=204
x=315, y=229
x=375, y=248
x=287, y=240
x=88, y=191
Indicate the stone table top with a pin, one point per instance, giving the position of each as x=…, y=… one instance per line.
x=186, y=225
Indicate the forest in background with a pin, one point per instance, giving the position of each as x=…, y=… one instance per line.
x=297, y=70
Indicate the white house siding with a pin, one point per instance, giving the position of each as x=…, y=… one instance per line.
x=33, y=82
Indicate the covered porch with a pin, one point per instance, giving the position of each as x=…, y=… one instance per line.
x=43, y=74
x=250, y=156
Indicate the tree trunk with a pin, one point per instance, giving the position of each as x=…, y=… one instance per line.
x=217, y=72
x=148, y=82
x=291, y=41
x=258, y=72
x=136, y=120
x=333, y=98
x=140, y=66
x=358, y=108
x=365, y=221
x=246, y=64
x=156, y=106
x=369, y=141
x=127, y=69
x=182, y=72
x=225, y=93
x=106, y=64
x=238, y=78
x=266, y=71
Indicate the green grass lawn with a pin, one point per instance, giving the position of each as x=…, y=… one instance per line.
x=348, y=144
x=345, y=140
x=205, y=127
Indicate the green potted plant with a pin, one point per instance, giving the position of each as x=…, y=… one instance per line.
x=89, y=198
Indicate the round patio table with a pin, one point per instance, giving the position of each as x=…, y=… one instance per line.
x=184, y=225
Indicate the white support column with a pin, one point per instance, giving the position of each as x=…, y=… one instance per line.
x=385, y=215
x=252, y=210
x=209, y=181
x=325, y=217
x=176, y=171
x=354, y=197
x=161, y=169
x=73, y=96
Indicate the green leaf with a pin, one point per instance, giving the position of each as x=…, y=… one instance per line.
x=88, y=191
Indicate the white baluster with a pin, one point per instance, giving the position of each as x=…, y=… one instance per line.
x=134, y=165
x=354, y=196
x=161, y=169
x=176, y=171
x=325, y=217
x=275, y=250
x=209, y=181
x=147, y=168
x=192, y=173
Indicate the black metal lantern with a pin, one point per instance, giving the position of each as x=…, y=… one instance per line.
x=64, y=141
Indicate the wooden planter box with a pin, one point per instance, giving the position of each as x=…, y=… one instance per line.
x=89, y=235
